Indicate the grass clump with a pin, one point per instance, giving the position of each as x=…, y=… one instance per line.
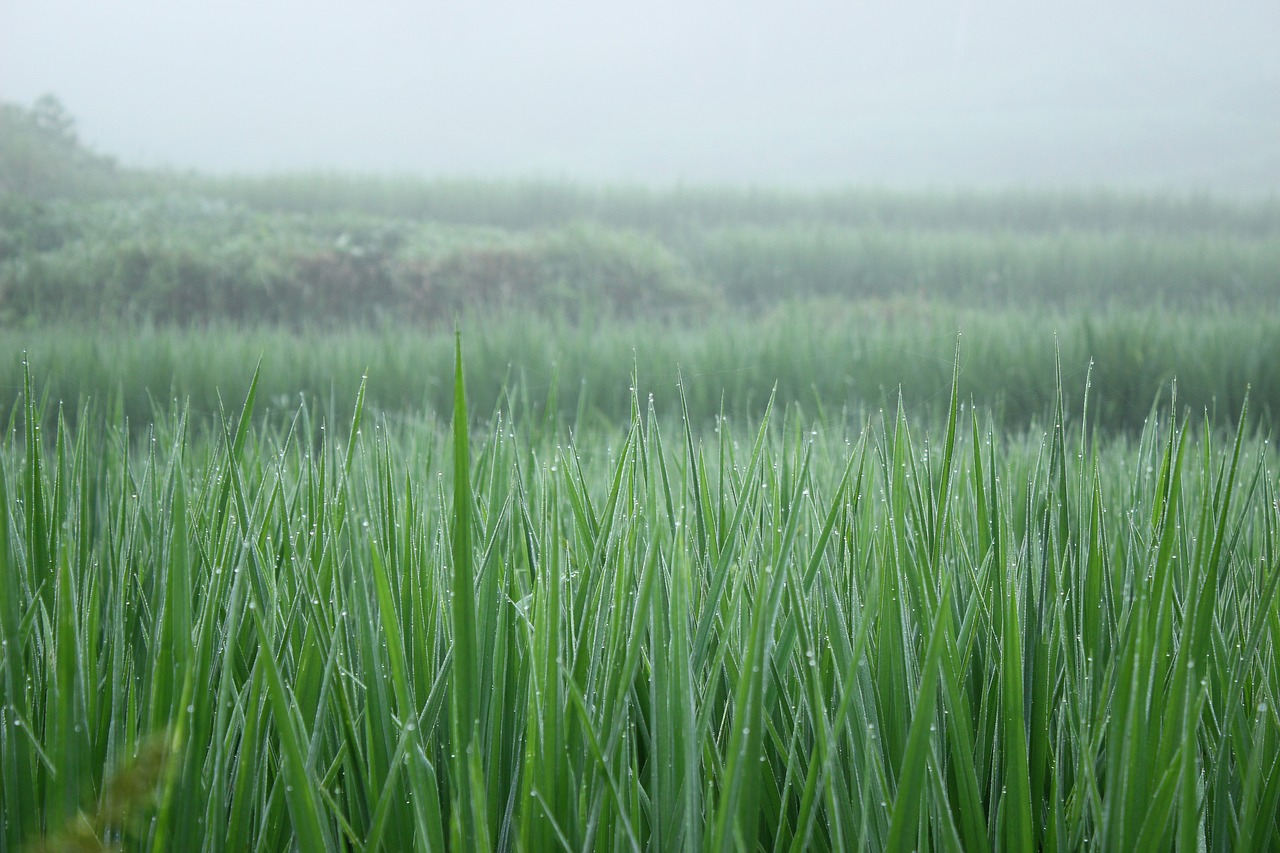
x=802, y=636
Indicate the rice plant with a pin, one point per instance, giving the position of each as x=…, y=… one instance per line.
x=838, y=361
x=225, y=633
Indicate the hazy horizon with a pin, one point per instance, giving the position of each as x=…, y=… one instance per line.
x=1168, y=95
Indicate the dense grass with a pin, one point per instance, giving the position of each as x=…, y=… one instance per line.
x=771, y=635
x=837, y=361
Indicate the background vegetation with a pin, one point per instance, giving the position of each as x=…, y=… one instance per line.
x=838, y=297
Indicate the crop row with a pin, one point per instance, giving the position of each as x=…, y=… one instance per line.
x=838, y=362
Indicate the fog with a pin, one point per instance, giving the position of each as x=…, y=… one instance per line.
x=915, y=93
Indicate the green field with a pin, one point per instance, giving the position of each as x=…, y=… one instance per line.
x=388, y=635
x=761, y=521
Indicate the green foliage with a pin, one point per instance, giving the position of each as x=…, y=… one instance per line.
x=1083, y=267
x=836, y=360
x=192, y=261
x=580, y=272
x=871, y=636
x=184, y=261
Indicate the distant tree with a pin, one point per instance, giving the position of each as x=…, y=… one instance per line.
x=51, y=119
x=41, y=155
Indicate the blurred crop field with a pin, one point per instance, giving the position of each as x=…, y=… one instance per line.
x=381, y=514
x=839, y=300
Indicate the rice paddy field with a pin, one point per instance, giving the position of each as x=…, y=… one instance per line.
x=360, y=515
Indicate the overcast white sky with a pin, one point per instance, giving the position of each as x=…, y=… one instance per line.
x=762, y=91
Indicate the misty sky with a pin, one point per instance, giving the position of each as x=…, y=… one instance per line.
x=908, y=92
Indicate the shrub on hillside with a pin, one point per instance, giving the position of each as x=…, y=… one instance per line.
x=581, y=271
